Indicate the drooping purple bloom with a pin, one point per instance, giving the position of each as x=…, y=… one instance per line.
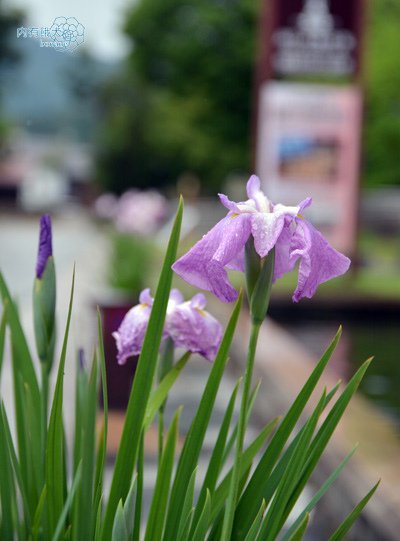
x=45, y=245
x=194, y=329
x=187, y=324
x=270, y=226
x=130, y=335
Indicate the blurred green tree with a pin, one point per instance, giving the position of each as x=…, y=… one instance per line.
x=183, y=102
x=10, y=19
x=127, y=155
x=188, y=100
x=382, y=100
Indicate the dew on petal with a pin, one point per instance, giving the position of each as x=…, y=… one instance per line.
x=280, y=226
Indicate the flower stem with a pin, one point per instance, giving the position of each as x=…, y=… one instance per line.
x=259, y=276
x=160, y=433
x=242, y=424
x=44, y=403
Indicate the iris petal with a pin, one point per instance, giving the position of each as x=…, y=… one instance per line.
x=203, y=266
x=194, y=329
x=230, y=205
x=283, y=261
x=145, y=297
x=319, y=262
x=254, y=192
x=266, y=228
x=130, y=335
x=253, y=187
x=198, y=301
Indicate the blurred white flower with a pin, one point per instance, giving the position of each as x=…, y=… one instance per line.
x=140, y=212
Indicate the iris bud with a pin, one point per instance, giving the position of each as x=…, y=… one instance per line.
x=44, y=295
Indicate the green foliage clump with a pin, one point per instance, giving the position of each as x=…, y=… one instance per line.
x=47, y=493
x=131, y=263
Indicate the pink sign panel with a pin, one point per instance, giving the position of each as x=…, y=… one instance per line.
x=308, y=144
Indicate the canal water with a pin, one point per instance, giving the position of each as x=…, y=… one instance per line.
x=366, y=332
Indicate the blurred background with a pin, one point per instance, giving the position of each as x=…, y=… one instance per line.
x=152, y=99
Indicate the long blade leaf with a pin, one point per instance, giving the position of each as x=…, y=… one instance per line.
x=324, y=434
x=20, y=343
x=203, y=522
x=272, y=521
x=255, y=527
x=195, y=437
x=250, y=501
x=187, y=510
x=221, y=492
x=301, y=528
x=155, y=522
x=318, y=495
x=352, y=517
x=159, y=395
x=55, y=474
x=216, y=460
x=67, y=504
x=3, y=325
x=130, y=440
x=102, y=448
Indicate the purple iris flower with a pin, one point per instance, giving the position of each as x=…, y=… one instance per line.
x=270, y=225
x=194, y=329
x=187, y=324
x=130, y=335
x=45, y=245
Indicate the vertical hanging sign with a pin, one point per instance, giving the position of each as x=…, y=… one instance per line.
x=308, y=134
